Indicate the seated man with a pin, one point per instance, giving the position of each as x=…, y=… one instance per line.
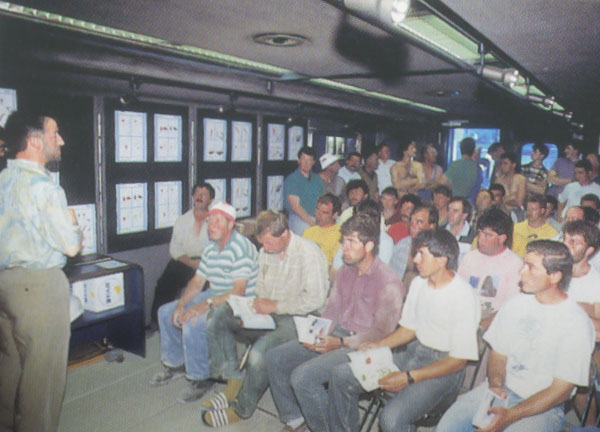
x=590, y=200
x=442, y=195
x=292, y=280
x=515, y=184
x=534, y=227
x=189, y=238
x=541, y=342
x=365, y=302
x=424, y=217
x=356, y=191
x=438, y=335
x=399, y=228
x=229, y=263
x=583, y=185
x=459, y=215
x=326, y=233
x=492, y=269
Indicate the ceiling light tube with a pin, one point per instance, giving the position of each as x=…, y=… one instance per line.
x=544, y=100
x=388, y=12
x=508, y=77
x=564, y=114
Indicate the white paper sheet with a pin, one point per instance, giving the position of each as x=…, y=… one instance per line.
x=215, y=140
x=86, y=217
x=295, y=141
x=167, y=203
x=167, y=138
x=130, y=136
x=241, y=141
x=275, y=141
x=220, y=186
x=241, y=196
x=132, y=207
x=8, y=104
x=275, y=193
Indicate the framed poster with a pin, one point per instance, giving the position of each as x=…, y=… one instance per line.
x=167, y=138
x=295, y=141
x=275, y=141
x=241, y=141
x=215, y=140
x=132, y=207
x=8, y=104
x=167, y=203
x=220, y=186
x=275, y=193
x=241, y=196
x=130, y=136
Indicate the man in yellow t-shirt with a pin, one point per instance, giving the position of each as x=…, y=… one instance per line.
x=326, y=233
x=534, y=227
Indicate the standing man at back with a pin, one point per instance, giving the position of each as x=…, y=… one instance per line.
x=462, y=173
x=384, y=177
x=350, y=170
x=37, y=231
x=301, y=189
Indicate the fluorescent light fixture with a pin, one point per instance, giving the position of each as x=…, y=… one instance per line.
x=190, y=51
x=399, y=11
x=564, y=114
x=388, y=12
x=547, y=101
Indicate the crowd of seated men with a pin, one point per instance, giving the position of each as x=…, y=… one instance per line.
x=457, y=275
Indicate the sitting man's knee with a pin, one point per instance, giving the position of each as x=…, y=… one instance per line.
x=388, y=420
x=256, y=359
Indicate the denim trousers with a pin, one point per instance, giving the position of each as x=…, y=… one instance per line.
x=186, y=345
x=405, y=407
x=460, y=415
x=223, y=331
x=297, y=377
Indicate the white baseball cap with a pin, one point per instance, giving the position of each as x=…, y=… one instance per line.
x=225, y=209
x=328, y=159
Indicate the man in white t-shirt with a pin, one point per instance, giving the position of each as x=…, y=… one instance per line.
x=572, y=193
x=438, y=333
x=383, y=170
x=541, y=342
x=582, y=239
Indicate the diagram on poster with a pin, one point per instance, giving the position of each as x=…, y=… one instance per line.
x=215, y=140
x=241, y=198
x=220, y=186
x=241, y=141
x=295, y=141
x=275, y=141
x=275, y=192
x=8, y=104
x=130, y=136
x=132, y=208
x=167, y=203
x=167, y=138
x=86, y=217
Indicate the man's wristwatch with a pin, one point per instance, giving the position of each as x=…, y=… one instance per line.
x=209, y=302
x=409, y=378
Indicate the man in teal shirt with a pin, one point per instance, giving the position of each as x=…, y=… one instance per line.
x=463, y=172
x=302, y=189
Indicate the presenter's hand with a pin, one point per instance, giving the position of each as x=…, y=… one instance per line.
x=177, y=316
x=394, y=382
x=500, y=421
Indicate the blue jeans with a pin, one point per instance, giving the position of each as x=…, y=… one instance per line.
x=297, y=377
x=186, y=345
x=405, y=407
x=223, y=331
x=460, y=415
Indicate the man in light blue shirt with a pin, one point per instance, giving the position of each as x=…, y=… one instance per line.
x=38, y=231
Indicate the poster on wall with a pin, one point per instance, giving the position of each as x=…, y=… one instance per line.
x=130, y=136
x=132, y=208
x=220, y=186
x=215, y=140
x=241, y=198
x=8, y=104
x=241, y=141
x=167, y=138
x=275, y=193
x=275, y=141
x=167, y=203
x=295, y=141
x=86, y=218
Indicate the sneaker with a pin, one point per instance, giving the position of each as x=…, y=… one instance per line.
x=195, y=390
x=167, y=375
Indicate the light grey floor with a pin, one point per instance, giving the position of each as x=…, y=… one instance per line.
x=115, y=397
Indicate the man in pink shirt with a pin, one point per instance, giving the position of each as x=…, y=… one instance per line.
x=492, y=269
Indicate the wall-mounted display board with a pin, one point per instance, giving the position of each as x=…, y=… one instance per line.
x=227, y=157
x=147, y=187
x=8, y=103
x=282, y=141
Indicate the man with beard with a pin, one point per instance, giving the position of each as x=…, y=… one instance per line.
x=365, y=301
x=37, y=231
x=189, y=238
x=230, y=264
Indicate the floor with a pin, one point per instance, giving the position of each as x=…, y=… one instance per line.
x=116, y=397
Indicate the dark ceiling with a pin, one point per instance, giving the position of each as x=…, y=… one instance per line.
x=556, y=42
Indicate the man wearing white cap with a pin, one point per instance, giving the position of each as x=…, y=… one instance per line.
x=230, y=264
x=332, y=182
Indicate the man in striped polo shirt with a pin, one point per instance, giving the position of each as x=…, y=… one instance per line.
x=230, y=264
